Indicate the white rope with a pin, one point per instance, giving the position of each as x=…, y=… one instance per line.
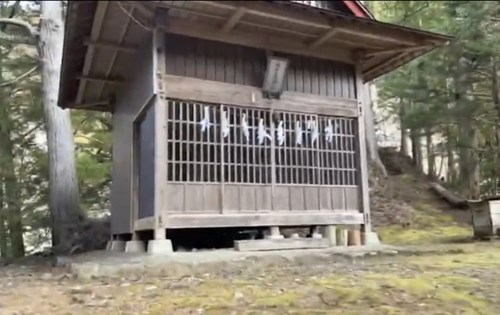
x=133, y=18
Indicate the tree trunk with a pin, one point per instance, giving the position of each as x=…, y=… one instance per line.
x=416, y=148
x=10, y=196
x=404, y=132
x=473, y=176
x=469, y=157
x=8, y=176
x=4, y=245
x=495, y=91
x=450, y=156
x=450, y=197
x=64, y=199
x=14, y=216
x=371, y=141
x=431, y=172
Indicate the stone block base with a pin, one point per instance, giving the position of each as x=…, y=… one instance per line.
x=370, y=238
x=135, y=247
x=160, y=247
x=341, y=236
x=330, y=234
x=280, y=244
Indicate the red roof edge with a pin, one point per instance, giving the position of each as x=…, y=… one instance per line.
x=358, y=9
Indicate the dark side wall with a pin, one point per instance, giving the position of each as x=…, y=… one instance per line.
x=145, y=161
x=134, y=96
x=217, y=61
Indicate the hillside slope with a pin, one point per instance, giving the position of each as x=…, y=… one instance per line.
x=406, y=211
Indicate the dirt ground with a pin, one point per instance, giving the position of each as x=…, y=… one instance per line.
x=466, y=281
x=461, y=283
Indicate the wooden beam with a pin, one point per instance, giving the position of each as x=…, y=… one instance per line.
x=111, y=46
x=272, y=11
x=198, y=90
x=224, y=18
x=100, y=79
x=294, y=218
x=161, y=132
x=369, y=29
x=340, y=26
x=121, y=37
x=100, y=12
x=365, y=32
x=255, y=39
x=364, y=195
x=396, y=50
x=90, y=104
x=233, y=20
x=383, y=64
x=144, y=224
x=323, y=38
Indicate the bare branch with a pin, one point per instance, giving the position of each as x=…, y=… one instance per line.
x=19, y=78
x=30, y=35
x=29, y=132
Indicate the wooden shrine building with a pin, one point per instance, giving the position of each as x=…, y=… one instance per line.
x=232, y=113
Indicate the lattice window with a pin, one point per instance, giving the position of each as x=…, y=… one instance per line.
x=193, y=154
x=222, y=151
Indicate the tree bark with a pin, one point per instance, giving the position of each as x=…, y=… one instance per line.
x=9, y=179
x=450, y=156
x=416, y=148
x=431, y=172
x=404, y=132
x=14, y=216
x=4, y=245
x=450, y=197
x=64, y=198
x=495, y=91
x=371, y=141
x=469, y=157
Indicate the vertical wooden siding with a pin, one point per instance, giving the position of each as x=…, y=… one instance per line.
x=217, y=61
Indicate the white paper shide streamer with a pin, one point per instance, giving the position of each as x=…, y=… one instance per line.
x=313, y=125
x=280, y=133
x=261, y=132
x=205, y=122
x=298, y=133
x=244, y=127
x=329, y=131
x=225, y=125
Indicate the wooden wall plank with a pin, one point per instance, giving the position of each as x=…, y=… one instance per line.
x=247, y=199
x=297, y=198
x=311, y=195
x=237, y=64
x=176, y=197
x=263, y=195
x=281, y=198
x=325, y=198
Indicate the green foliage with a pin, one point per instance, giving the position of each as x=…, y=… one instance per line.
x=24, y=121
x=427, y=88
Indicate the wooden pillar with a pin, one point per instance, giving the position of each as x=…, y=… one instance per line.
x=364, y=196
x=161, y=153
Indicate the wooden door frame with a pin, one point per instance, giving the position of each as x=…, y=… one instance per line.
x=134, y=196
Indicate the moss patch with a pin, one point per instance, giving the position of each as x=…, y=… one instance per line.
x=396, y=235
x=429, y=226
x=483, y=257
